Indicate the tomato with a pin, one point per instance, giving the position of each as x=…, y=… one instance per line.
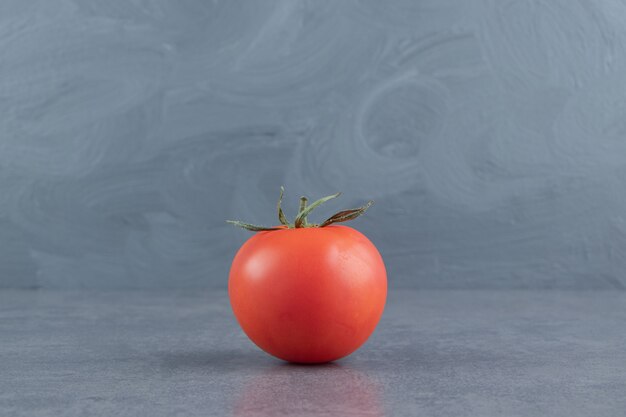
x=308, y=294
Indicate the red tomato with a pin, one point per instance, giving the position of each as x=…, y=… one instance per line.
x=310, y=294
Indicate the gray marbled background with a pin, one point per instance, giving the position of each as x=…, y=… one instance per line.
x=492, y=135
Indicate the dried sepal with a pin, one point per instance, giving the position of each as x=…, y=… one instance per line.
x=252, y=227
x=281, y=215
x=346, y=215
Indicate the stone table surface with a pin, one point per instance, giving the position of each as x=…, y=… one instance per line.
x=435, y=353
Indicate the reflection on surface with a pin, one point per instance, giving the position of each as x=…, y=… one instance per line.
x=301, y=390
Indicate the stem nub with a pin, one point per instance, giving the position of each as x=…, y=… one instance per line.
x=302, y=223
x=301, y=218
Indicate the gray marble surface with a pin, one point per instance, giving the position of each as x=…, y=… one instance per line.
x=448, y=353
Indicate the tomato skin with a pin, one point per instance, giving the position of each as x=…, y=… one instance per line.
x=308, y=295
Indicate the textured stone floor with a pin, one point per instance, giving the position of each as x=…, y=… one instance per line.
x=446, y=353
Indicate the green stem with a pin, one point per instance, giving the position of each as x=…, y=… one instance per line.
x=303, y=201
x=301, y=218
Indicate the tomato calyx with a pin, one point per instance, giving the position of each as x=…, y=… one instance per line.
x=300, y=220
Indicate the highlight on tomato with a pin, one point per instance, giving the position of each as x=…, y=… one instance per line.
x=307, y=292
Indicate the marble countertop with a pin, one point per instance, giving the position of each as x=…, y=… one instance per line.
x=435, y=353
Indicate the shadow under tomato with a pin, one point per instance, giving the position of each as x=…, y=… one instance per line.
x=300, y=390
